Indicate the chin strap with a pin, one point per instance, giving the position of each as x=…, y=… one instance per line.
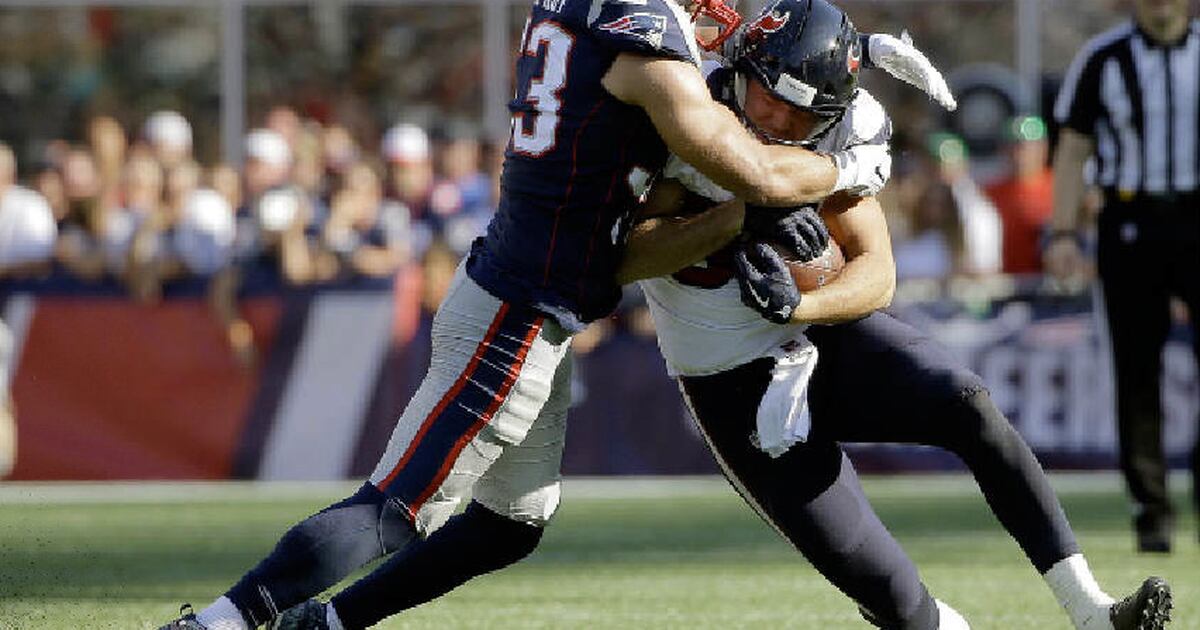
x=724, y=15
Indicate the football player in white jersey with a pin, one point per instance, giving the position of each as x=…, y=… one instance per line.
x=774, y=396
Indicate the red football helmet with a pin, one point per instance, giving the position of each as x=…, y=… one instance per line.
x=724, y=15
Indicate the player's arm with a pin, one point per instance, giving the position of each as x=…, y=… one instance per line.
x=709, y=136
x=662, y=242
x=868, y=280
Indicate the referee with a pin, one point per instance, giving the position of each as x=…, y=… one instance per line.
x=1130, y=100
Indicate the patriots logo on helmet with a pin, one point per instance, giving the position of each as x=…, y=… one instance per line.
x=645, y=26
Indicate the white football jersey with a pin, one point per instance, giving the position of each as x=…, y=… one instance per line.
x=708, y=330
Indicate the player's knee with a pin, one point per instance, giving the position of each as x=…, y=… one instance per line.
x=976, y=423
x=510, y=540
x=531, y=507
x=374, y=511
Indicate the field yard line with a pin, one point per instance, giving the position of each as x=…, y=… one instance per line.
x=925, y=485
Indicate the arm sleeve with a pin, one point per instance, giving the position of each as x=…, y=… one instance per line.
x=657, y=28
x=1078, y=102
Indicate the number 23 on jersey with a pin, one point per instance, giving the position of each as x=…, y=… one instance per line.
x=533, y=133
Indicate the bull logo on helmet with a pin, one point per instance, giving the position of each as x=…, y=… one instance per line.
x=769, y=22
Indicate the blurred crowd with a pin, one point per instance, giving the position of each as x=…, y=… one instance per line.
x=952, y=218
x=312, y=204
x=316, y=204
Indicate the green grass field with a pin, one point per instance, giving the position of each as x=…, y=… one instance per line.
x=621, y=554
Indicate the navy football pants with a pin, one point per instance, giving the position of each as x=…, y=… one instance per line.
x=877, y=380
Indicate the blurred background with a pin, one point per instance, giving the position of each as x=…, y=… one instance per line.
x=229, y=222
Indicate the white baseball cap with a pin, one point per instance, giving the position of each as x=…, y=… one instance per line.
x=269, y=147
x=406, y=143
x=168, y=128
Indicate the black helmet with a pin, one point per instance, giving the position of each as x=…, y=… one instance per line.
x=806, y=53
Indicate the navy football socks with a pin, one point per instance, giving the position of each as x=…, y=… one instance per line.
x=320, y=551
x=473, y=543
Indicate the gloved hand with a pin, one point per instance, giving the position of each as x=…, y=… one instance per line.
x=799, y=229
x=863, y=169
x=898, y=57
x=765, y=282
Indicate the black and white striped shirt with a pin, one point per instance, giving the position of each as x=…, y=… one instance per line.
x=1139, y=100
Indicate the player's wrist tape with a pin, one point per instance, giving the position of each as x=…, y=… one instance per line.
x=847, y=170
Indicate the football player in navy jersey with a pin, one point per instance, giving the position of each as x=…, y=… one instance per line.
x=605, y=88
x=774, y=396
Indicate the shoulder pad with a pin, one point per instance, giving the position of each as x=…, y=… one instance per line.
x=865, y=122
x=650, y=27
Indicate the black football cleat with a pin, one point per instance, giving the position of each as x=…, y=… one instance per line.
x=1148, y=608
x=186, y=620
x=307, y=615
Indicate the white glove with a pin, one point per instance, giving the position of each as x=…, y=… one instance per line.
x=863, y=169
x=899, y=58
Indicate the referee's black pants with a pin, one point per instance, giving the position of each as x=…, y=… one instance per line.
x=1148, y=250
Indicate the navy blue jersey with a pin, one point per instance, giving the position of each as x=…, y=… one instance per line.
x=578, y=159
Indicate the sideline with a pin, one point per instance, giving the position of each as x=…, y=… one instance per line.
x=142, y=492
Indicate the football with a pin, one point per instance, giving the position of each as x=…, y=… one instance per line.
x=817, y=272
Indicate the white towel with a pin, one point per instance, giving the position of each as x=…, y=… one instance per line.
x=783, y=414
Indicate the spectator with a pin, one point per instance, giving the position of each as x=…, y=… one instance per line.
x=203, y=236
x=952, y=228
x=268, y=163
x=133, y=242
x=154, y=257
x=170, y=137
x=462, y=200
x=281, y=218
x=339, y=150
x=308, y=172
x=27, y=226
x=273, y=223
x=284, y=121
x=109, y=147
x=1025, y=198
x=81, y=234
x=406, y=149
x=48, y=183
x=365, y=236
x=224, y=179
x=459, y=163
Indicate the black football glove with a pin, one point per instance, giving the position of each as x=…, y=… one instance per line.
x=766, y=282
x=799, y=229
